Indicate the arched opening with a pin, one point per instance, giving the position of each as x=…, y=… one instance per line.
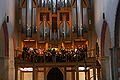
x=55, y=74
x=117, y=27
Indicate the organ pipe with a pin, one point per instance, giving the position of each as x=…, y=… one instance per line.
x=44, y=29
x=58, y=34
x=79, y=17
x=64, y=29
x=29, y=18
x=50, y=34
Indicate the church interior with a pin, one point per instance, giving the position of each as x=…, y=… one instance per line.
x=59, y=40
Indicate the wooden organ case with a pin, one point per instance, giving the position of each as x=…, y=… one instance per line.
x=50, y=21
x=54, y=23
x=47, y=20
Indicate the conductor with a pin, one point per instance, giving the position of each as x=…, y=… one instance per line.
x=53, y=55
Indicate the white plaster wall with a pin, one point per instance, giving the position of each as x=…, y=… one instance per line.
x=7, y=8
x=11, y=14
x=2, y=11
x=109, y=7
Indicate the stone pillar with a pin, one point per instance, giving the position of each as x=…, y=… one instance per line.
x=4, y=68
x=105, y=68
x=10, y=61
x=115, y=56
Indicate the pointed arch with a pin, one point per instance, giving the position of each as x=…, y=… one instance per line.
x=104, y=26
x=4, y=40
x=105, y=40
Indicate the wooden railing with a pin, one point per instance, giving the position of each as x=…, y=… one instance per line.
x=47, y=57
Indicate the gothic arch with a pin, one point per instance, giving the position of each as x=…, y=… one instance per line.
x=55, y=73
x=4, y=42
x=104, y=26
x=4, y=51
x=105, y=39
x=117, y=27
x=105, y=51
x=54, y=67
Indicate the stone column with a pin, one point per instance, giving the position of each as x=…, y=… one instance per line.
x=115, y=52
x=4, y=68
x=10, y=61
x=105, y=68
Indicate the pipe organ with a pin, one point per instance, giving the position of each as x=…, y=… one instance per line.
x=55, y=24
x=52, y=20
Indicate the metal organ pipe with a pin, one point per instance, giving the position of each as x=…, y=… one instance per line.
x=39, y=3
x=58, y=34
x=34, y=21
x=29, y=18
x=44, y=29
x=76, y=16
x=74, y=19
x=64, y=29
x=79, y=11
x=24, y=19
x=50, y=34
